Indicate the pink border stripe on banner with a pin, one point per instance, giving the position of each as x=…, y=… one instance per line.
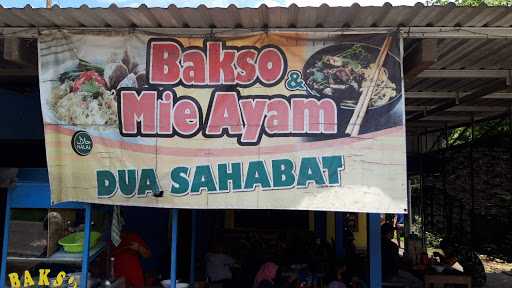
x=227, y=152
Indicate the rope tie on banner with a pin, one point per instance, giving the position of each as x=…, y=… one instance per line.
x=117, y=226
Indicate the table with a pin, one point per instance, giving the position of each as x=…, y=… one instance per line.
x=61, y=257
x=432, y=279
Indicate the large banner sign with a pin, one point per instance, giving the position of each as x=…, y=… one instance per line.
x=272, y=120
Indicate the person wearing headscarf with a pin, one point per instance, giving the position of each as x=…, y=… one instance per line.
x=336, y=284
x=338, y=281
x=266, y=276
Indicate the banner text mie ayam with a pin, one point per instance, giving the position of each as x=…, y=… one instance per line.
x=157, y=111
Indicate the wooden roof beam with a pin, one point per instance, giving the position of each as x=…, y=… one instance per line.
x=490, y=88
x=460, y=108
x=425, y=124
x=420, y=58
x=459, y=74
x=453, y=95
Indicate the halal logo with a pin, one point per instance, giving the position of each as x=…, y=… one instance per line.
x=82, y=143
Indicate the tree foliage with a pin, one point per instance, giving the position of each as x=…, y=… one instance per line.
x=496, y=127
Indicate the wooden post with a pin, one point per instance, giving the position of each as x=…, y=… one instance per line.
x=48, y=4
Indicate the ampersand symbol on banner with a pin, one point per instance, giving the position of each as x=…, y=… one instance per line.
x=294, y=81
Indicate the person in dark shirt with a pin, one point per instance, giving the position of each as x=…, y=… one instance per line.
x=467, y=258
x=391, y=271
x=390, y=255
x=355, y=264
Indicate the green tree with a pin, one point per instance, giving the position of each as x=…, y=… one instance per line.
x=475, y=2
x=490, y=128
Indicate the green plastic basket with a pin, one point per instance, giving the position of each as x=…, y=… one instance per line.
x=74, y=242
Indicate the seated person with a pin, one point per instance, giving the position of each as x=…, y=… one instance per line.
x=127, y=259
x=353, y=260
x=267, y=278
x=218, y=267
x=357, y=283
x=338, y=281
x=391, y=271
x=467, y=258
x=342, y=277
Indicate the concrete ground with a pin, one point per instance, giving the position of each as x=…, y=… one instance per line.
x=499, y=273
x=498, y=280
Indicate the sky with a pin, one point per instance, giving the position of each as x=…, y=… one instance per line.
x=195, y=3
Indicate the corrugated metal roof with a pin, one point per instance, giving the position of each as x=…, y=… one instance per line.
x=293, y=16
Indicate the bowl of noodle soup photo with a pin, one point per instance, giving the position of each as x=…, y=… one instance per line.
x=341, y=72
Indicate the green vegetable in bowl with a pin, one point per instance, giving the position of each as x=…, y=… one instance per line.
x=92, y=88
x=83, y=66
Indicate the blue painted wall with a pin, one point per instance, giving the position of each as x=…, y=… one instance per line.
x=21, y=116
x=152, y=225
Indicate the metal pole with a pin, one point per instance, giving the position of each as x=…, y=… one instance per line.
x=446, y=140
x=408, y=217
x=510, y=133
x=174, y=246
x=340, y=227
x=445, y=191
x=85, y=252
x=422, y=194
x=193, y=249
x=510, y=143
x=510, y=123
x=374, y=250
x=320, y=222
x=5, y=244
x=472, y=175
x=431, y=198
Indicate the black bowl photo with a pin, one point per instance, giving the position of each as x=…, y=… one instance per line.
x=341, y=71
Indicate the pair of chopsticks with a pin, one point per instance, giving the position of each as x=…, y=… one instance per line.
x=362, y=106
